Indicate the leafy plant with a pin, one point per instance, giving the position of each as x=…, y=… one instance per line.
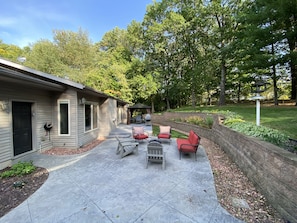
x=19, y=169
x=267, y=134
x=209, y=121
x=206, y=122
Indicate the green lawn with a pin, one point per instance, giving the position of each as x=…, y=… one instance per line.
x=282, y=118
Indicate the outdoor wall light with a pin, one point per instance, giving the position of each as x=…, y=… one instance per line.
x=4, y=106
x=82, y=101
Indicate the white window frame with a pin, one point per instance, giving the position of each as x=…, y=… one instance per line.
x=63, y=101
x=92, y=106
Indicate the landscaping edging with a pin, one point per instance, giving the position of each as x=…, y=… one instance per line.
x=272, y=170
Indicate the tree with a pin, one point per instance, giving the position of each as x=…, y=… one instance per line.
x=168, y=51
x=222, y=28
x=43, y=55
x=262, y=37
x=76, y=52
x=10, y=52
x=287, y=17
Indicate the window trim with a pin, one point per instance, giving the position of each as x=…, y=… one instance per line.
x=93, y=105
x=63, y=101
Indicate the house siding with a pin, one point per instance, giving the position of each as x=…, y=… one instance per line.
x=44, y=92
x=107, y=116
x=65, y=141
x=41, y=113
x=85, y=137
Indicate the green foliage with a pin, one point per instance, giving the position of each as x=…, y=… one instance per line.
x=19, y=169
x=209, y=121
x=267, y=134
x=231, y=117
x=182, y=53
x=206, y=122
x=279, y=121
x=10, y=52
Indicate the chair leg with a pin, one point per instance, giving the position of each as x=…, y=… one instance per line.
x=180, y=155
x=118, y=149
x=146, y=162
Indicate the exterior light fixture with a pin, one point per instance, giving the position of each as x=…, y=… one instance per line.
x=82, y=101
x=258, y=87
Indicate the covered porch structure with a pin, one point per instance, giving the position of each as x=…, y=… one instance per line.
x=137, y=109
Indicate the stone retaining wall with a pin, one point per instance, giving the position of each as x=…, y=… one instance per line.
x=272, y=169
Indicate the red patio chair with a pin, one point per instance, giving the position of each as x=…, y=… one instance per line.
x=139, y=133
x=165, y=133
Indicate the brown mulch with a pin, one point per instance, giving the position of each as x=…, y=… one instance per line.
x=230, y=184
x=65, y=151
x=11, y=196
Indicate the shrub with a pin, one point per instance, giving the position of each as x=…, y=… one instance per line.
x=206, y=122
x=267, y=134
x=209, y=121
x=19, y=169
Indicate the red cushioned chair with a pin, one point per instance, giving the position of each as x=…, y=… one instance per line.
x=139, y=133
x=189, y=145
x=165, y=133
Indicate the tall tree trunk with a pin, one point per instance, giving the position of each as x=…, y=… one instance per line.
x=238, y=92
x=293, y=67
x=168, y=104
x=222, y=100
x=193, y=97
x=275, y=96
x=153, y=104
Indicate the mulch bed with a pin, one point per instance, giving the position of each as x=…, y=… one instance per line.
x=11, y=196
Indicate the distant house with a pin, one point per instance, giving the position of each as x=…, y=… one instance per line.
x=42, y=111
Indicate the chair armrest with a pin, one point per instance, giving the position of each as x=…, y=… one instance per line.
x=130, y=144
x=127, y=140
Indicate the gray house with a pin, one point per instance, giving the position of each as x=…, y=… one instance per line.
x=39, y=111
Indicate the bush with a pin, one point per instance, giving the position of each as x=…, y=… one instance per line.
x=19, y=169
x=206, y=122
x=267, y=134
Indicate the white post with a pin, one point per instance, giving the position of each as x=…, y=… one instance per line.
x=258, y=112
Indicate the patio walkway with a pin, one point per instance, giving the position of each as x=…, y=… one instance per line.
x=99, y=186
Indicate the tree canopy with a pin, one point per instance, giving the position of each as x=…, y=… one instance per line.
x=183, y=53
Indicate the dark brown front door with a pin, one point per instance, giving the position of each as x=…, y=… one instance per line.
x=22, y=127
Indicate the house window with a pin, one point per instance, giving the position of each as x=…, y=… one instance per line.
x=91, y=116
x=88, y=117
x=95, y=116
x=64, y=117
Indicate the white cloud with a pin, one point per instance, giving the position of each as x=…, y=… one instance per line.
x=7, y=22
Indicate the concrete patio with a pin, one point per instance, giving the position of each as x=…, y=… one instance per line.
x=99, y=186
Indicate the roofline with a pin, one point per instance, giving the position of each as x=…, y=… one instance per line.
x=39, y=74
x=51, y=78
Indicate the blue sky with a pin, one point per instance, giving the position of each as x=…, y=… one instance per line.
x=27, y=21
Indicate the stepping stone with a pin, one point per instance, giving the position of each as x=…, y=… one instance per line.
x=241, y=203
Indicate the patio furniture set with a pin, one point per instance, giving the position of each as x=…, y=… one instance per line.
x=155, y=152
